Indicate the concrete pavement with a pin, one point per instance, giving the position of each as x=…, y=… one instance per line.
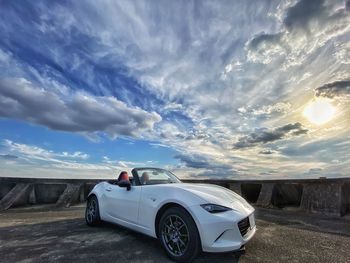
x=44, y=234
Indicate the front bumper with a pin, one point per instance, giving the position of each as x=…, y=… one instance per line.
x=220, y=232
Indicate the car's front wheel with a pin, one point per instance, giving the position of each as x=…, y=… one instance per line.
x=92, y=213
x=179, y=235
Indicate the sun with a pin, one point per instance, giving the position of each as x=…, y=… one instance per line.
x=319, y=111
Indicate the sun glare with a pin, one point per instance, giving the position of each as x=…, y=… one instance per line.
x=319, y=111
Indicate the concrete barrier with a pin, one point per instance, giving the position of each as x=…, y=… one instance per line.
x=288, y=194
x=326, y=196
x=29, y=191
x=265, y=195
x=70, y=195
x=346, y=198
x=251, y=192
x=18, y=195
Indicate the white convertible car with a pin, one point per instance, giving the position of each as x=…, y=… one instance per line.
x=185, y=217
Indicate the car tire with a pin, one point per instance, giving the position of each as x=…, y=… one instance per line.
x=179, y=235
x=92, y=211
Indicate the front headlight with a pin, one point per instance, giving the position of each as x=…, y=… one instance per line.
x=211, y=208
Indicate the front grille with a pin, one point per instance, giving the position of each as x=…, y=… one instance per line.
x=244, y=226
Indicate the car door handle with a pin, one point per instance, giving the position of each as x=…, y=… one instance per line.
x=108, y=189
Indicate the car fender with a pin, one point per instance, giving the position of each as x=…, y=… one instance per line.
x=98, y=192
x=156, y=197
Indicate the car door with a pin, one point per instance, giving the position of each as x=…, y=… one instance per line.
x=122, y=205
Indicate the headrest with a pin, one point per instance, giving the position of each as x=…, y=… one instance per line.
x=123, y=177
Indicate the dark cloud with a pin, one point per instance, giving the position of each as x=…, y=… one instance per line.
x=77, y=112
x=264, y=39
x=8, y=156
x=322, y=150
x=220, y=173
x=200, y=162
x=267, y=151
x=315, y=170
x=337, y=89
x=299, y=15
x=211, y=168
x=192, y=161
x=269, y=173
x=303, y=19
x=262, y=136
x=193, y=135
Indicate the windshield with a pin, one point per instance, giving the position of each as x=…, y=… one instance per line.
x=151, y=176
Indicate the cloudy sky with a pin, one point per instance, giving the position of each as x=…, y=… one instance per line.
x=218, y=89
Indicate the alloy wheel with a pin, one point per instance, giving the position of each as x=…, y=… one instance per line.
x=91, y=210
x=175, y=235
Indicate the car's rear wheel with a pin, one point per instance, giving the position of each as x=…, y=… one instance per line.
x=92, y=214
x=178, y=235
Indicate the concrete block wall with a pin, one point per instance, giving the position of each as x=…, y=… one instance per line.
x=324, y=196
x=330, y=196
x=346, y=198
x=57, y=192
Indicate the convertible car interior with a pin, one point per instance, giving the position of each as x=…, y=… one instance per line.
x=115, y=182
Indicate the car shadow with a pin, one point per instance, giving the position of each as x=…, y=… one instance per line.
x=71, y=240
x=203, y=257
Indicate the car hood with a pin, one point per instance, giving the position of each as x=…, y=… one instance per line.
x=215, y=194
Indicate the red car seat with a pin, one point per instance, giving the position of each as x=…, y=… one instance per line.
x=123, y=177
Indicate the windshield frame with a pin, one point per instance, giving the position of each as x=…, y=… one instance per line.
x=136, y=171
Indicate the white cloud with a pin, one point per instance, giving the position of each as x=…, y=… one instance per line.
x=121, y=164
x=216, y=70
x=279, y=107
x=304, y=32
x=173, y=107
x=78, y=112
x=342, y=52
x=79, y=155
x=28, y=160
x=38, y=153
x=5, y=57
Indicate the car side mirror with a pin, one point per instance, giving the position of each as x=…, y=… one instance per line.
x=125, y=183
